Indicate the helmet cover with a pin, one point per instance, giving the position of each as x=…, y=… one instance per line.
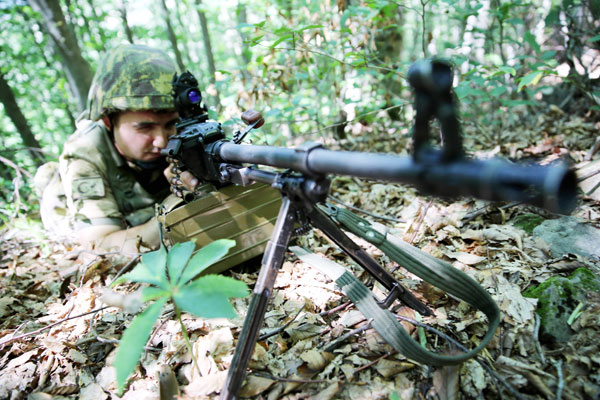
x=132, y=78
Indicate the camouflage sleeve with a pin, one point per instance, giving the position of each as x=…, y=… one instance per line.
x=89, y=197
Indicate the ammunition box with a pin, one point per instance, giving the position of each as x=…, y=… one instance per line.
x=244, y=214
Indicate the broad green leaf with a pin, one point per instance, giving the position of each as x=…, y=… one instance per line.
x=133, y=341
x=497, y=91
x=594, y=38
x=255, y=40
x=177, y=259
x=151, y=293
x=530, y=38
x=507, y=70
x=308, y=27
x=281, y=39
x=208, y=296
x=150, y=270
x=530, y=79
x=204, y=258
x=549, y=55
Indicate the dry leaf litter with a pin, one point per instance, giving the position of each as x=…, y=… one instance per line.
x=319, y=346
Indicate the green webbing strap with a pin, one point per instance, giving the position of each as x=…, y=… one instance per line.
x=427, y=267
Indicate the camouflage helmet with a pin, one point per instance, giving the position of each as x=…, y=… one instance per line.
x=131, y=78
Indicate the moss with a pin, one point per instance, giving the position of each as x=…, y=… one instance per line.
x=558, y=297
x=527, y=222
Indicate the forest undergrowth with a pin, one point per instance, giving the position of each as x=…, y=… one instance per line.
x=58, y=337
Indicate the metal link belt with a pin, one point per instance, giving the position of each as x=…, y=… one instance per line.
x=434, y=271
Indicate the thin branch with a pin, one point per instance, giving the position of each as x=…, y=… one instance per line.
x=560, y=386
x=5, y=341
x=14, y=166
x=337, y=342
x=126, y=267
x=536, y=332
x=458, y=345
x=341, y=61
x=423, y=5
x=383, y=217
x=336, y=309
x=281, y=328
x=278, y=379
x=421, y=219
x=374, y=362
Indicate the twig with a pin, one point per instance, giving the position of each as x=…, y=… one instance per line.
x=560, y=385
x=281, y=328
x=421, y=219
x=424, y=31
x=333, y=345
x=167, y=317
x=98, y=338
x=126, y=267
x=320, y=53
x=374, y=362
x=17, y=169
x=474, y=214
x=536, y=339
x=16, y=184
x=336, y=200
x=595, y=147
x=356, y=118
x=276, y=378
x=32, y=333
x=458, y=345
x=335, y=309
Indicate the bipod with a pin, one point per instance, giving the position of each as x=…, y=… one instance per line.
x=300, y=196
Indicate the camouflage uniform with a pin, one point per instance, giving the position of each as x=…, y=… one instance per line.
x=97, y=185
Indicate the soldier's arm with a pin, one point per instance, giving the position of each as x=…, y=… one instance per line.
x=97, y=220
x=128, y=241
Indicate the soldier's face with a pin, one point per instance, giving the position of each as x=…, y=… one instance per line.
x=140, y=135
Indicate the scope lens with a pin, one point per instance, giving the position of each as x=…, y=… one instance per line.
x=194, y=96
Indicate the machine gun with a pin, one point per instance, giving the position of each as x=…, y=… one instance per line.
x=201, y=147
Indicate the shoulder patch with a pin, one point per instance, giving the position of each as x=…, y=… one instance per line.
x=88, y=188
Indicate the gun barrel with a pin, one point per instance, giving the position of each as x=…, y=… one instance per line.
x=552, y=187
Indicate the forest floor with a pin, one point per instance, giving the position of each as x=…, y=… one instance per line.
x=57, y=340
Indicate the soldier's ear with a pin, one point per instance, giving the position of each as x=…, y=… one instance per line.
x=107, y=122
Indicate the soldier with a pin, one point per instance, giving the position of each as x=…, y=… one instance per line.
x=111, y=170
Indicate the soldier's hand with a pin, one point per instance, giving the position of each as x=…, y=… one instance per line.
x=180, y=180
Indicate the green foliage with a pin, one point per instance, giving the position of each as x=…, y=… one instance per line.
x=173, y=276
x=527, y=222
x=302, y=63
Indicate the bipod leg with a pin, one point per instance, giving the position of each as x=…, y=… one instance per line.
x=271, y=263
x=397, y=291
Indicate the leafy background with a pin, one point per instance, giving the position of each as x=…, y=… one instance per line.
x=307, y=65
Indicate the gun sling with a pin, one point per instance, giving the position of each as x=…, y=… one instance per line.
x=427, y=267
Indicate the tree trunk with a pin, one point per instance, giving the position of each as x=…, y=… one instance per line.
x=208, y=51
x=388, y=48
x=64, y=102
x=126, y=28
x=78, y=70
x=18, y=119
x=171, y=35
x=243, y=19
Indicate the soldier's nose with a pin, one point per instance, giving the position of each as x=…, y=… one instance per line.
x=160, y=141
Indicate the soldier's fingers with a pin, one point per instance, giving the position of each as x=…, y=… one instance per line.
x=189, y=180
x=176, y=191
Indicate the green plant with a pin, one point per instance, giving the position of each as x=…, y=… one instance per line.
x=172, y=276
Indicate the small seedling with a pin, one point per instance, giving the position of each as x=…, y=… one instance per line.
x=173, y=276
